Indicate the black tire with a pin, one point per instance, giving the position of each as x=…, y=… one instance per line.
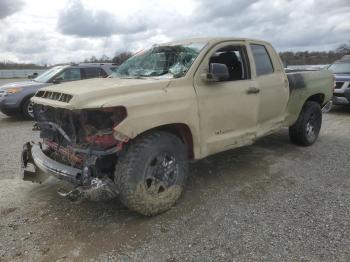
x=308, y=125
x=27, y=109
x=151, y=172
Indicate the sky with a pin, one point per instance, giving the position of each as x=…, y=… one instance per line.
x=50, y=32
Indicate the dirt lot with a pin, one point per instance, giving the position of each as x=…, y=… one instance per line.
x=272, y=201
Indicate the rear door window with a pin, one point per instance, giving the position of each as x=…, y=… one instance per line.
x=93, y=72
x=263, y=64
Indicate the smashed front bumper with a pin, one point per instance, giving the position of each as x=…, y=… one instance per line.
x=33, y=154
x=36, y=166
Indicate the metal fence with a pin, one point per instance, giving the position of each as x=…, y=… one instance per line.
x=19, y=73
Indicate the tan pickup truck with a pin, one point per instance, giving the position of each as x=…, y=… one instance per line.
x=132, y=135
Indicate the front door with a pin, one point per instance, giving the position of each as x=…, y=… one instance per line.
x=228, y=109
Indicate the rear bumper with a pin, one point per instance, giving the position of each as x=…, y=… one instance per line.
x=347, y=94
x=340, y=99
x=34, y=158
x=341, y=96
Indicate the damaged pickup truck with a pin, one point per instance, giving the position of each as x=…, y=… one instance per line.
x=132, y=135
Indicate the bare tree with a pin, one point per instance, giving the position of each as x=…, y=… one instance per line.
x=344, y=49
x=121, y=57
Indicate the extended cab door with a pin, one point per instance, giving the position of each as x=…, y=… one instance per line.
x=228, y=110
x=272, y=82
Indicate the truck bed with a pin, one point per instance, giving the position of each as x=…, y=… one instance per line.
x=307, y=83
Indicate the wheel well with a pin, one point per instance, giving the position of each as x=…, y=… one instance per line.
x=319, y=98
x=25, y=99
x=182, y=131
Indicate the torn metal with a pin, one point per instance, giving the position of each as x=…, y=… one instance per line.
x=78, y=147
x=99, y=189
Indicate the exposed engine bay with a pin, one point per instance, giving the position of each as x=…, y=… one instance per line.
x=78, y=146
x=73, y=136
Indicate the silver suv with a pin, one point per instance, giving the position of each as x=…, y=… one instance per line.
x=15, y=97
x=341, y=70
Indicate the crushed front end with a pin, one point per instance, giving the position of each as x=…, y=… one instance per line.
x=77, y=146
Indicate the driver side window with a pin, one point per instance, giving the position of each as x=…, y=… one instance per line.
x=234, y=57
x=70, y=74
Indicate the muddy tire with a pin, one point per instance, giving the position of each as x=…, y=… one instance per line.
x=27, y=109
x=307, y=128
x=151, y=172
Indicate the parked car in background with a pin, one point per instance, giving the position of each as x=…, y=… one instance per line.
x=15, y=97
x=341, y=70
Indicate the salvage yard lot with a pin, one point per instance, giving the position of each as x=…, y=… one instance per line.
x=269, y=201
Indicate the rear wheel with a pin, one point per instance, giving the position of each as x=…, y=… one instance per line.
x=306, y=129
x=27, y=109
x=151, y=172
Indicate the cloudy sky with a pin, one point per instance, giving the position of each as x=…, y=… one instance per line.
x=50, y=32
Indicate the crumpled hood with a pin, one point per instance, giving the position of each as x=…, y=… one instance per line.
x=102, y=92
x=23, y=84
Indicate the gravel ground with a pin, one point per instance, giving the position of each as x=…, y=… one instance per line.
x=271, y=201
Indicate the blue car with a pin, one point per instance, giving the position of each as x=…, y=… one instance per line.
x=15, y=97
x=341, y=70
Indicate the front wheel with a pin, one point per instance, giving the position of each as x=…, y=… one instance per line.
x=27, y=109
x=150, y=174
x=306, y=129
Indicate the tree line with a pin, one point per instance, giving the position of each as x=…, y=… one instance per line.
x=288, y=58
x=117, y=59
x=13, y=65
x=314, y=57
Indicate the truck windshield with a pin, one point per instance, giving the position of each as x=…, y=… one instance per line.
x=165, y=60
x=47, y=75
x=340, y=68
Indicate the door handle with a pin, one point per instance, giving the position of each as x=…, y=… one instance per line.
x=253, y=90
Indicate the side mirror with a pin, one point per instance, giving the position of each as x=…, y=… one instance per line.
x=218, y=72
x=57, y=80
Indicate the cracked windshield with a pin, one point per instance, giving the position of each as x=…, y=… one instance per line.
x=169, y=61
